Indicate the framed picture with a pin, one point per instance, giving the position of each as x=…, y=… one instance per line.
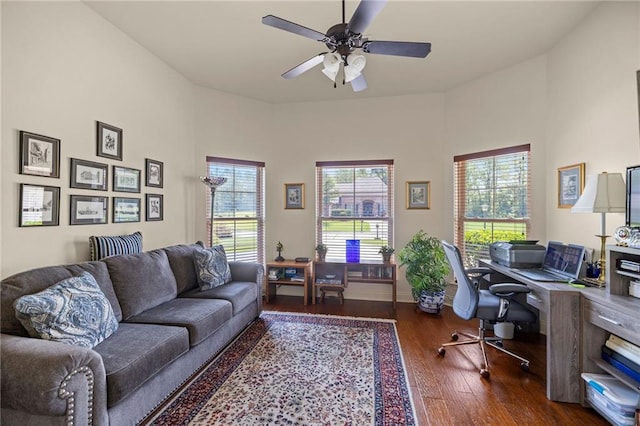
x=570, y=185
x=154, y=207
x=153, y=173
x=418, y=195
x=39, y=155
x=294, y=195
x=109, y=141
x=87, y=210
x=88, y=175
x=126, y=209
x=126, y=179
x=39, y=205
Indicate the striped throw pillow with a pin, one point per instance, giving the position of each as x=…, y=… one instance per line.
x=102, y=247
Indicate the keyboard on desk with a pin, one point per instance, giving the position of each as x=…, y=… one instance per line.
x=541, y=275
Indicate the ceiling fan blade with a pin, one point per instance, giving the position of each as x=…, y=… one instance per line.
x=305, y=66
x=359, y=83
x=283, y=24
x=397, y=48
x=365, y=13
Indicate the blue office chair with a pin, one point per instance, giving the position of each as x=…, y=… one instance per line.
x=493, y=305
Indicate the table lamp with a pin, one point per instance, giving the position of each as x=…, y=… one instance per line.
x=603, y=193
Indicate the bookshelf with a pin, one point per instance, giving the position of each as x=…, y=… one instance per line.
x=607, y=311
x=288, y=272
x=340, y=274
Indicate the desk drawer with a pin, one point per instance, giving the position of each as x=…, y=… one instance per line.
x=612, y=320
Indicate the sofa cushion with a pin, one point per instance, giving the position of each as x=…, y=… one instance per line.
x=135, y=353
x=212, y=267
x=201, y=317
x=239, y=293
x=104, y=246
x=141, y=281
x=35, y=280
x=74, y=311
x=181, y=261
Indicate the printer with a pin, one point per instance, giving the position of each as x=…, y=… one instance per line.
x=518, y=253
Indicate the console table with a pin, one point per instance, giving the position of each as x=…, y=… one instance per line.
x=339, y=274
x=301, y=276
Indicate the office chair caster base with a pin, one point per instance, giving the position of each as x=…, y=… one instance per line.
x=454, y=337
x=485, y=373
x=524, y=366
x=442, y=351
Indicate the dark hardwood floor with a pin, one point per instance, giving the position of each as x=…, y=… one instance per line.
x=449, y=390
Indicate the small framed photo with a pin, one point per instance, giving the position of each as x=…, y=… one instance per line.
x=126, y=209
x=418, y=194
x=39, y=155
x=294, y=195
x=126, y=179
x=87, y=210
x=154, y=170
x=88, y=175
x=154, y=207
x=39, y=205
x=570, y=185
x=109, y=141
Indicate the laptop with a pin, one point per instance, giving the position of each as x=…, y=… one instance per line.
x=562, y=263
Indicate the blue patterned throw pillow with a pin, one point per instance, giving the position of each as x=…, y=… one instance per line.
x=212, y=267
x=74, y=311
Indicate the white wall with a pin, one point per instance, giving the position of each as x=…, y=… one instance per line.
x=503, y=109
x=592, y=111
x=407, y=129
x=63, y=68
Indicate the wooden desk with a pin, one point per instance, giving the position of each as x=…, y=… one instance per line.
x=561, y=304
x=303, y=270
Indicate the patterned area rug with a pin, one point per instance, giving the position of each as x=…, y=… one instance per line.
x=300, y=369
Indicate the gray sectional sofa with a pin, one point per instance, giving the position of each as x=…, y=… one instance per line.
x=167, y=330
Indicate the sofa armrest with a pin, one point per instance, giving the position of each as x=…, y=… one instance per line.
x=47, y=378
x=247, y=271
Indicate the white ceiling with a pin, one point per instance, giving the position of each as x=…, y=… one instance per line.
x=223, y=45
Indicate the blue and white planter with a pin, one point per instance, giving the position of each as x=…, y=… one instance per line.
x=431, y=302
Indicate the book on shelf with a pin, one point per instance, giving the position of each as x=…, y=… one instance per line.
x=624, y=348
x=611, y=354
x=354, y=274
x=298, y=278
x=275, y=274
x=329, y=281
x=620, y=366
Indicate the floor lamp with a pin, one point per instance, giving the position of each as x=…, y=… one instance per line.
x=603, y=193
x=213, y=182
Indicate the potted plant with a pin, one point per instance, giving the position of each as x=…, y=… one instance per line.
x=321, y=249
x=427, y=267
x=386, y=253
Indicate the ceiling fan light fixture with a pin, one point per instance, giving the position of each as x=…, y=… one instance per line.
x=331, y=65
x=354, y=67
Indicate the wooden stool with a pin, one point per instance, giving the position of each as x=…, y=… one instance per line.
x=338, y=289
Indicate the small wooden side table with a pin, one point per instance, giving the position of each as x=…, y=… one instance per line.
x=301, y=277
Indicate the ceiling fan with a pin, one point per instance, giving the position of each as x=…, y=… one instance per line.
x=343, y=39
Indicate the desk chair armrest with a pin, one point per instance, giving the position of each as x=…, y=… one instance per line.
x=508, y=289
x=479, y=271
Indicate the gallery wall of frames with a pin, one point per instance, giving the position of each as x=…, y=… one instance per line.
x=40, y=204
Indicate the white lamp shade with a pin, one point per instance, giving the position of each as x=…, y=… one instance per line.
x=603, y=193
x=355, y=65
x=331, y=63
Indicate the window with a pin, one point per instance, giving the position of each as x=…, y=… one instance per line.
x=239, y=208
x=492, y=199
x=354, y=202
